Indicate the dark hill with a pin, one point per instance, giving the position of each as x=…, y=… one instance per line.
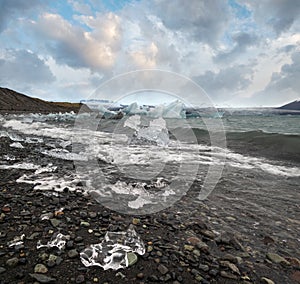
x=291, y=106
x=14, y=102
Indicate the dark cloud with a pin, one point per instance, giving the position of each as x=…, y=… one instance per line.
x=284, y=86
x=242, y=41
x=226, y=81
x=23, y=68
x=279, y=14
x=202, y=20
x=288, y=77
x=10, y=9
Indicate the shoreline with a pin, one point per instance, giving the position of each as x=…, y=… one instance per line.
x=209, y=242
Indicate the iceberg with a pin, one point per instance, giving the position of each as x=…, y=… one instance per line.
x=113, y=251
x=134, y=109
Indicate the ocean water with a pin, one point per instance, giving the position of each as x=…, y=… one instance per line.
x=147, y=165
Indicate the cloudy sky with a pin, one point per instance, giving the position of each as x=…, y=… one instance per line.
x=241, y=52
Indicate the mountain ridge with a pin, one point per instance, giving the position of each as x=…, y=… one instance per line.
x=15, y=102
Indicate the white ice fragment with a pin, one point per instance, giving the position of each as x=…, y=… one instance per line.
x=57, y=240
x=16, y=145
x=138, y=203
x=112, y=252
x=16, y=241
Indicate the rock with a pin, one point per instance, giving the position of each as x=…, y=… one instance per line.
x=33, y=236
x=296, y=276
x=209, y=234
x=203, y=267
x=120, y=274
x=162, y=269
x=42, y=278
x=193, y=240
x=228, y=275
x=149, y=248
x=72, y=253
x=84, y=224
x=136, y=221
x=140, y=275
x=188, y=247
x=293, y=261
x=12, y=262
x=55, y=222
x=267, y=280
x=6, y=209
x=203, y=247
x=40, y=268
x=131, y=258
x=2, y=269
x=92, y=215
x=80, y=279
x=230, y=266
x=276, y=258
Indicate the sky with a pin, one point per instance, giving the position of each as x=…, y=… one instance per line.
x=243, y=53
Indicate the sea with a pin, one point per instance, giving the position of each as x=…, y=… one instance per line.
x=243, y=164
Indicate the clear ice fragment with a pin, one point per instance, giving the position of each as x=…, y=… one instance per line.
x=57, y=240
x=112, y=252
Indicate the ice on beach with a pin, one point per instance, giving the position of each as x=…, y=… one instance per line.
x=57, y=240
x=18, y=240
x=16, y=145
x=112, y=252
x=23, y=166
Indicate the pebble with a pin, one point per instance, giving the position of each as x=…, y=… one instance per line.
x=188, y=247
x=225, y=274
x=276, y=258
x=85, y=224
x=267, y=280
x=80, y=279
x=12, y=262
x=40, y=268
x=42, y=278
x=55, y=222
x=140, y=275
x=2, y=269
x=296, y=276
x=132, y=258
x=72, y=253
x=162, y=269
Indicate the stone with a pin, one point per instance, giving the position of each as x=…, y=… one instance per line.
x=193, y=240
x=42, y=278
x=231, y=266
x=188, y=247
x=162, y=269
x=293, y=261
x=72, y=253
x=267, y=280
x=140, y=275
x=296, y=276
x=40, y=268
x=80, y=279
x=228, y=275
x=12, y=262
x=203, y=267
x=84, y=224
x=136, y=221
x=2, y=269
x=209, y=234
x=131, y=258
x=55, y=222
x=92, y=215
x=276, y=258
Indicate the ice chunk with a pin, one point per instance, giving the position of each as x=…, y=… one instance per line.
x=112, y=252
x=57, y=240
x=16, y=241
x=174, y=110
x=16, y=145
x=134, y=109
x=156, y=132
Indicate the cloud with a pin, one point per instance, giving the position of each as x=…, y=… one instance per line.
x=21, y=67
x=278, y=14
x=78, y=48
x=242, y=41
x=226, y=81
x=288, y=77
x=200, y=20
x=10, y=9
